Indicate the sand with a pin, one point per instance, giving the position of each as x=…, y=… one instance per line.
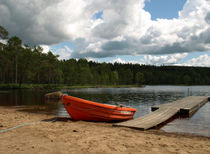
x=67, y=136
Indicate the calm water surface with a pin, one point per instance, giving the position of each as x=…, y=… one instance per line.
x=141, y=98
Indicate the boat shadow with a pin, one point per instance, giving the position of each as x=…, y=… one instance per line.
x=69, y=119
x=56, y=119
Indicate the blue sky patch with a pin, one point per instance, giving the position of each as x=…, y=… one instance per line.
x=98, y=15
x=61, y=45
x=166, y=9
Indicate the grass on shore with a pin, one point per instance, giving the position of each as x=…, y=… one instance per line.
x=60, y=86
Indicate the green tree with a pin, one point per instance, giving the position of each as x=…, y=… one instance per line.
x=85, y=75
x=70, y=71
x=25, y=59
x=140, y=78
x=14, y=45
x=4, y=61
x=186, y=79
x=114, y=77
x=3, y=33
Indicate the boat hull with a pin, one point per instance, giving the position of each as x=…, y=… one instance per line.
x=80, y=109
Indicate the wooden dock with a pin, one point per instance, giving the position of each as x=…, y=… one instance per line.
x=164, y=112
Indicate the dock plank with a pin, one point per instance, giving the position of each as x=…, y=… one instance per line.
x=165, y=111
x=186, y=102
x=151, y=120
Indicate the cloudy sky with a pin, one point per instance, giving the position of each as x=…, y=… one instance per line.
x=159, y=32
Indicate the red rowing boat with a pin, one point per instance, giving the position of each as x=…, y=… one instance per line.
x=80, y=109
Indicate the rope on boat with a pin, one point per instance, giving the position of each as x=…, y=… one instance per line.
x=25, y=124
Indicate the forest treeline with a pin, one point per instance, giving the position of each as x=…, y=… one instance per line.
x=24, y=64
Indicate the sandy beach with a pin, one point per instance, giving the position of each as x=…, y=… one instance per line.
x=67, y=136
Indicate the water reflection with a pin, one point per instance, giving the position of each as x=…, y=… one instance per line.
x=33, y=99
x=22, y=97
x=198, y=124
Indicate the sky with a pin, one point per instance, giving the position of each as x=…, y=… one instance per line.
x=155, y=32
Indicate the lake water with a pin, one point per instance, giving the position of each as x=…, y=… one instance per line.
x=141, y=98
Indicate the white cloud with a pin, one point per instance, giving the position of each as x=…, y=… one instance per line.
x=45, y=22
x=119, y=60
x=45, y=48
x=64, y=53
x=125, y=28
x=171, y=59
x=202, y=60
x=189, y=32
x=3, y=41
